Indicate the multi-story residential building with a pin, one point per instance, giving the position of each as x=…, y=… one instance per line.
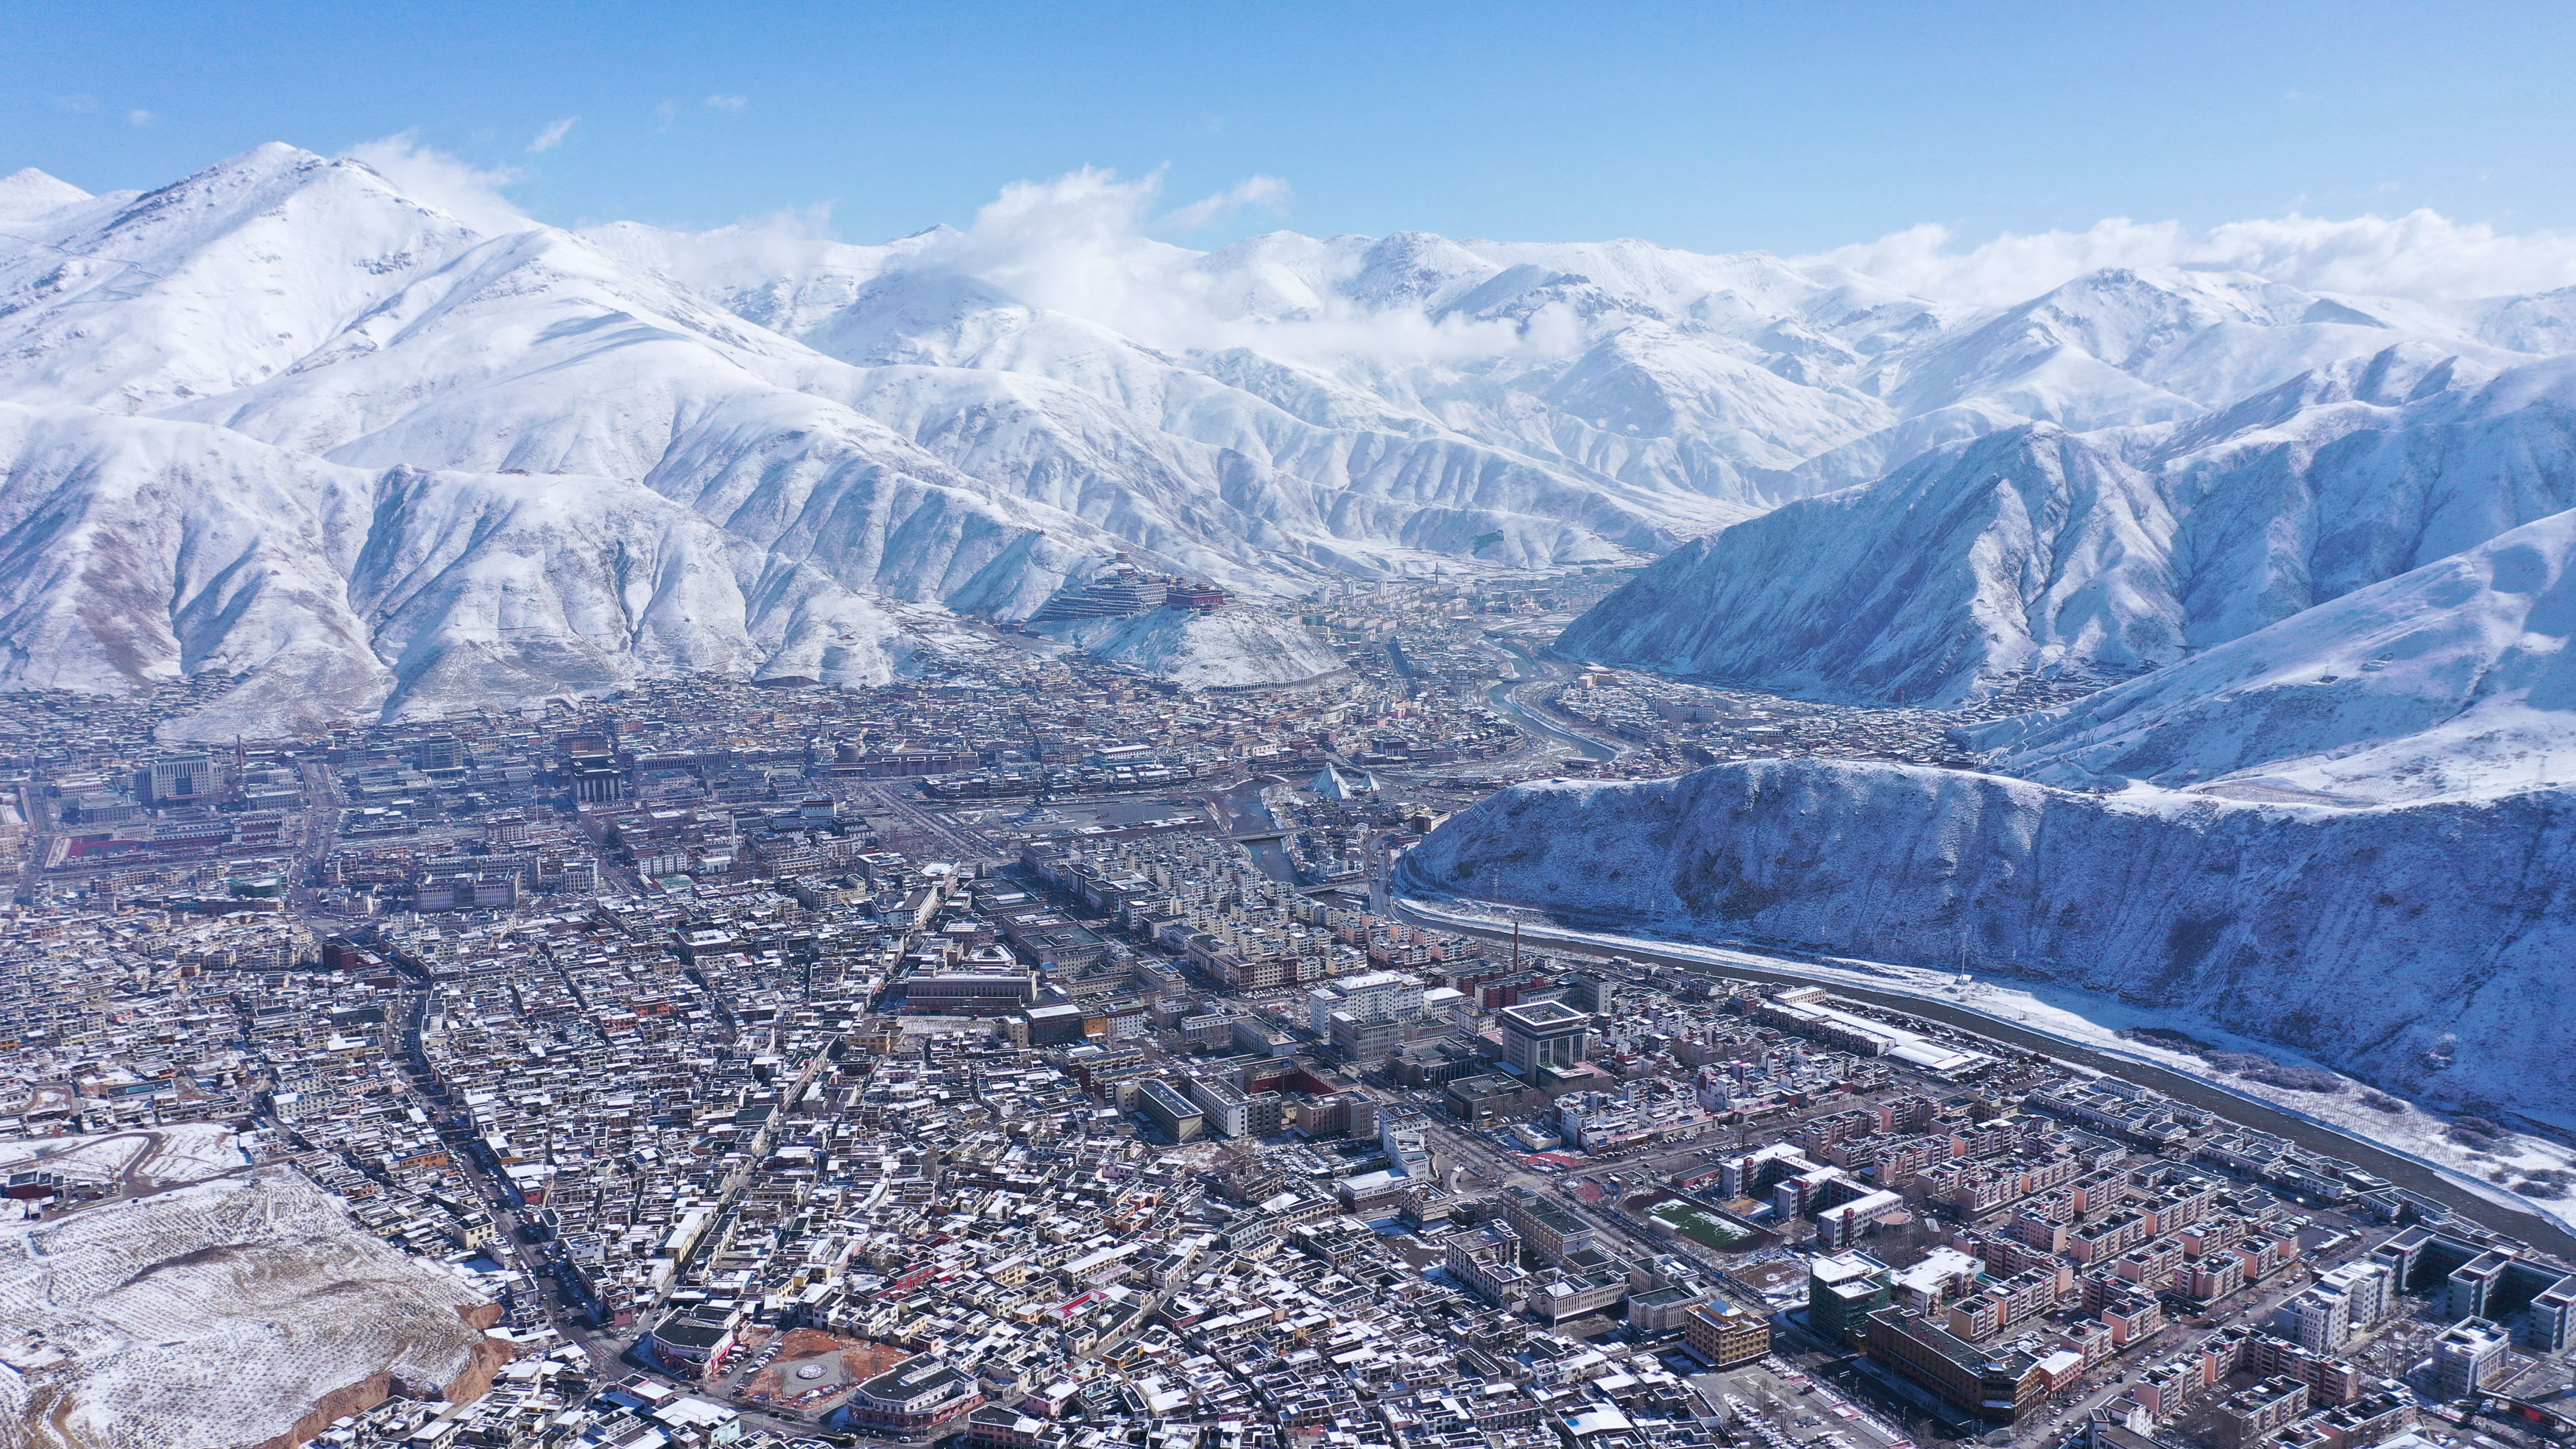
x=1999, y=1386
x=2252, y=1414
x=1169, y=1111
x=1548, y=1231
x=2466, y=1357
x=1227, y=1110
x=1724, y=1335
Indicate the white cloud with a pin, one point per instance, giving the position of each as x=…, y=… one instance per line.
x=1079, y=244
x=81, y=103
x=1267, y=191
x=726, y=103
x=553, y=135
x=1075, y=244
x=2421, y=255
x=140, y=118
x=457, y=187
x=747, y=254
x=669, y=111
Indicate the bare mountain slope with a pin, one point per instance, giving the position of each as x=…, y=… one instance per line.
x=234, y=1311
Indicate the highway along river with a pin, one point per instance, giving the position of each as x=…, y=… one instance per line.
x=2403, y=1171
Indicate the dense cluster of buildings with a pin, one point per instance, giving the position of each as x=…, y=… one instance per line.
x=1028, y=1054
x=1673, y=725
x=2088, y=1231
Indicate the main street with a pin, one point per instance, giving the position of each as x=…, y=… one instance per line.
x=969, y=845
x=320, y=831
x=513, y=1243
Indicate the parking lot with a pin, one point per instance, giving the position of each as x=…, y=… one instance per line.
x=1777, y=1406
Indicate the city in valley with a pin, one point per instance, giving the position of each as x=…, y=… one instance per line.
x=1034, y=1054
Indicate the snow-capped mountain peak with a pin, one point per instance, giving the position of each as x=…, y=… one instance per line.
x=216, y=282
x=28, y=194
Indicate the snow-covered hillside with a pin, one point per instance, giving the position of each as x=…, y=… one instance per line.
x=2112, y=552
x=137, y=550
x=2455, y=679
x=239, y=1310
x=966, y=420
x=2031, y=549
x=2422, y=946
x=2334, y=814
x=1231, y=648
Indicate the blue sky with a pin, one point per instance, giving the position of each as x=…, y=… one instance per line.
x=1792, y=128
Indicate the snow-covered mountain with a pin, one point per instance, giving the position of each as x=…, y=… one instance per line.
x=835, y=446
x=2453, y=680
x=2422, y=946
x=135, y=550
x=2027, y=549
x=2110, y=552
x=2370, y=786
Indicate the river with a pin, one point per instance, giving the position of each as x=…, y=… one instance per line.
x=1530, y=719
x=1245, y=814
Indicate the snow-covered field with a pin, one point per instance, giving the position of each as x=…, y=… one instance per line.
x=143, y=1159
x=214, y=1315
x=1239, y=646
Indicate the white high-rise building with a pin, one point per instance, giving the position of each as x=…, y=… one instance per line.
x=2338, y=1305
x=1373, y=996
x=1321, y=1003
x=2466, y=1356
x=2368, y=1286
x=2315, y=1320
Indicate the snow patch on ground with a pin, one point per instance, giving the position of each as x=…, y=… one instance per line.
x=144, y=1159
x=213, y=1315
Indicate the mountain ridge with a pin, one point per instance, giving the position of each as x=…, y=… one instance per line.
x=966, y=421
x=2187, y=536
